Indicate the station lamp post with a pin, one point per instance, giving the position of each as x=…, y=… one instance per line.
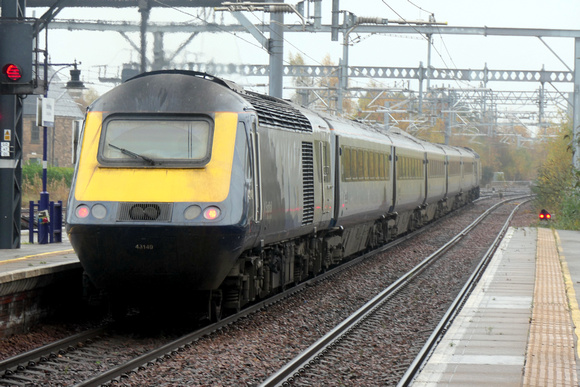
x=45, y=118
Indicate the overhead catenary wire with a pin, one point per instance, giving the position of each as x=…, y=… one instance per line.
x=458, y=81
x=206, y=23
x=301, y=51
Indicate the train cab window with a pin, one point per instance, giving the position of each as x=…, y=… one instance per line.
x=155, y=141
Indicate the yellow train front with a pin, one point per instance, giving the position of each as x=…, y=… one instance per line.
x=162, y=178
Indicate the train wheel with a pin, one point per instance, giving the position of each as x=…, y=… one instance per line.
x=215, y=305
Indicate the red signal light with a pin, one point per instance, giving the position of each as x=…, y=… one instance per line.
x=12, y=71
x=545, y=215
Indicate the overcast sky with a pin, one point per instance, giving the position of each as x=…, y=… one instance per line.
x=95, y=49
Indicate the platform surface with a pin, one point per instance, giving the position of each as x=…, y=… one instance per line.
x=517, y=328
x=32, y=260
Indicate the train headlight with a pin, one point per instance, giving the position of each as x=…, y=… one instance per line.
x=82, y=211
x=99, y=211
x=192, y=212
x=211, y=213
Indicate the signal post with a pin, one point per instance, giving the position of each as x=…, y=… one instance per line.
x=15, y=79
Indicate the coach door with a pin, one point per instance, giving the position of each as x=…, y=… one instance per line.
x=256, y=170
x=426, y=174
x=325, y=177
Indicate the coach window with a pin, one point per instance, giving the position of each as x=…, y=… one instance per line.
x=360, y=170
x=346, y=163
x=353, y=164
x=366, y=165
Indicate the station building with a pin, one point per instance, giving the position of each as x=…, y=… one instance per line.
x=68, y=118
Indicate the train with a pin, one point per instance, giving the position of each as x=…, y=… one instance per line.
x=188, y=185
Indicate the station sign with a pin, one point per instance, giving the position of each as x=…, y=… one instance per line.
x=45, y=112
x=5, y=143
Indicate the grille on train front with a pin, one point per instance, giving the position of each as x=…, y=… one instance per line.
x=144, y=212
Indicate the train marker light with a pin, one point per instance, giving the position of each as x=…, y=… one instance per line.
x=545, y=215
x=211, y=213
x=99, y=211
x=192, y=212
x=12, y=71
x=82, y=211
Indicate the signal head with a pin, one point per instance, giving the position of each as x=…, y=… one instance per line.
x=12, y=72
x=545, y=215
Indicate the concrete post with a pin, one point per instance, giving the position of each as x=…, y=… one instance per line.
x=276, y=53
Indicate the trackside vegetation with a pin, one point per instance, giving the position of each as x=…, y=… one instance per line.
x=558, y=184
x=58, y=182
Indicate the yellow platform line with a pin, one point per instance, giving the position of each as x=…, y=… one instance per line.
x=572, y=301
x=41, y=255
x=550, y=359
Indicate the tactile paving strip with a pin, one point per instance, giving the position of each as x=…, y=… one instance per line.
x=550, y=359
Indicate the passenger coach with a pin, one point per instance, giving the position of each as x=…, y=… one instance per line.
x=188, y=184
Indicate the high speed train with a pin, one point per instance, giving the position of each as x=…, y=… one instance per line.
x=187, y=184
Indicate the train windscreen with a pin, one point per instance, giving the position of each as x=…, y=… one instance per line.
x=155, y=141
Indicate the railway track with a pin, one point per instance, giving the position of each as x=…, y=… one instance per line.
x=318, y=361
x=57, y=361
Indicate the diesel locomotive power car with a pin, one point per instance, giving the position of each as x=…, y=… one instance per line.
x=187, y=184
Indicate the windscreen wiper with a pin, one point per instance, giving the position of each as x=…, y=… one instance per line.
x=133, y=154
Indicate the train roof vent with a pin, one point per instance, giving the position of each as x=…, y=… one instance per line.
x=277, y=113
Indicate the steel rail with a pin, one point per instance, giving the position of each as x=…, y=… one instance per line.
x=166, y=351
x=311, y=355
x=455, y=307
x=11, y=364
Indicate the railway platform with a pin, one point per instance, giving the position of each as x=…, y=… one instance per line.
x=520, y=325
x=33, y=260
x=32, y=280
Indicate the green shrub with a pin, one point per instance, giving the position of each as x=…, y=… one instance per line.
x=32, y=170
x=58, y=180
x=557, y=187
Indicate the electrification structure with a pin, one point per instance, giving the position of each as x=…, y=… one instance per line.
x=12, y=91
